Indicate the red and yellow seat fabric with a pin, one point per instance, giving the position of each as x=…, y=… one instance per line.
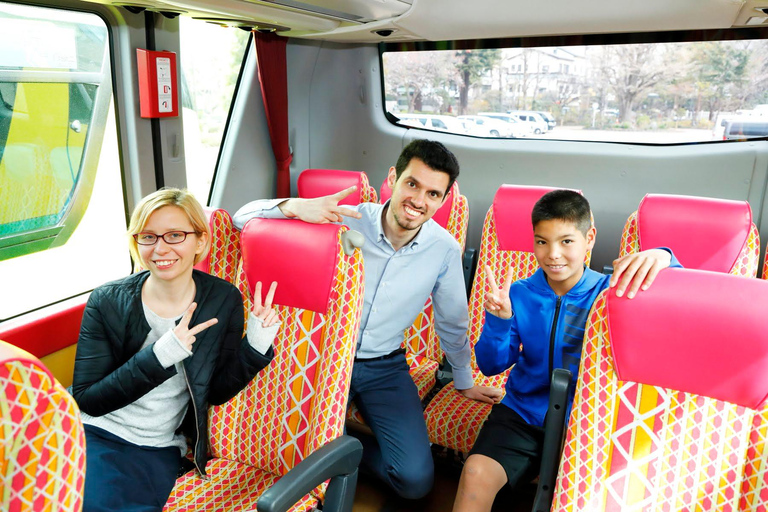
x=296, y=405
x=323, y=182
x=706, y=234
x=670, y=411
x=223, y=258
x=42, y=441
x=454, y=421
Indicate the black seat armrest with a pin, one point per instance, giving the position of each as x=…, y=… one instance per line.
x=554, y=434
x=337, y=461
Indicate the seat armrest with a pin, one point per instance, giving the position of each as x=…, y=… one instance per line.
x=337, y=461
x=469, y=263
x=554, y=433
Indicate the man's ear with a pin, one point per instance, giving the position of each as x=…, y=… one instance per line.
x=392, y=178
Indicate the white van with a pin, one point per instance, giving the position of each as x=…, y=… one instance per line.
x=537, y=123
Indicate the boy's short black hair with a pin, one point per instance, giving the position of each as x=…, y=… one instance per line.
x=433, y=154
x=564, y=205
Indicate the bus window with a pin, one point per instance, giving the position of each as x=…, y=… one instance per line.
x=211, y=57
x=61, y=193
x=659, y=93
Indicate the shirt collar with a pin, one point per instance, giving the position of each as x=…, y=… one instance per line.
x=413, y=244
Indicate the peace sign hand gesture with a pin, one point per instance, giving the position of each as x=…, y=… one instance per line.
x=320, y=210
x=186, y=335
x=497, y=300
x=265, y=313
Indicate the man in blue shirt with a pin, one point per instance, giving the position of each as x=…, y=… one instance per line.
x=407, y=257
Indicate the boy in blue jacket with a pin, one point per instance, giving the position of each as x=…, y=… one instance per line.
x=537, y=324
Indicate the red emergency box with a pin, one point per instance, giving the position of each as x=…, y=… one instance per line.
x=158, y=88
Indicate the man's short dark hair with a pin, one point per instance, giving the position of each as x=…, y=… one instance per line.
x=433, y=154
x=564, y=205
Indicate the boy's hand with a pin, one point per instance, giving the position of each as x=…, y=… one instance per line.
x=483, y=394
x=497, y=300
x=639, y=269
x=320, y=210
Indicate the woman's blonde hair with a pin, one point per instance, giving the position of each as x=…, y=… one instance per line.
x=181, y=198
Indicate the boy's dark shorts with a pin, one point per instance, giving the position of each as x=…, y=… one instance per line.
x=506, y=438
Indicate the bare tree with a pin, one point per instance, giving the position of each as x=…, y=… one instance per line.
x=631, y=70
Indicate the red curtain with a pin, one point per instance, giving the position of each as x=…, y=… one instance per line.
x=273, y=76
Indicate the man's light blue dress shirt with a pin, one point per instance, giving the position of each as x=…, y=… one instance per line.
x=398, y=283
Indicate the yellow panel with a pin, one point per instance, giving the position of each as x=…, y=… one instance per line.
x=62, y=364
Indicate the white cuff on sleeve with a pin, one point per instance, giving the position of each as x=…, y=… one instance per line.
x=260, y=337
x=169, y=350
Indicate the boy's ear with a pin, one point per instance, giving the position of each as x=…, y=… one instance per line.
x=591, y=234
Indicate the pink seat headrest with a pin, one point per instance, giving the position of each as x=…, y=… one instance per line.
x=442, y=215
x=512, y=207
x=694, y=331
x=324, y=182
x=705, y=234
x=301, y=257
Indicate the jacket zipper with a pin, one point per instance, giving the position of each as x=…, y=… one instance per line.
x=197, y=427
x=552, y=337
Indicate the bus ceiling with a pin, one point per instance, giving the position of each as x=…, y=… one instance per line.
x=360, y=21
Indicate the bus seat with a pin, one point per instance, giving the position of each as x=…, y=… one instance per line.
x=454, y=421
x=224, y=256
x=324, y=182
x=669, y=385
x=420, y=341
x=706, y=234
x=42, y=446
x=291, y=416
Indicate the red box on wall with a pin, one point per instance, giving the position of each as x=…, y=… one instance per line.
x=158, y=88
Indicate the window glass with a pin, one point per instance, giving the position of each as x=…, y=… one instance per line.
x=658, y=93
x=62, y=211
x=44, y=123
x=211, y=57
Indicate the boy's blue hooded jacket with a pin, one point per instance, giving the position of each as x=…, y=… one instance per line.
x=550, y=330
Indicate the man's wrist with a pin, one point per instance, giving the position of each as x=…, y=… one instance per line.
x=287, y=208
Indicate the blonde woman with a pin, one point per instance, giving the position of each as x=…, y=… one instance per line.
x=155, y=350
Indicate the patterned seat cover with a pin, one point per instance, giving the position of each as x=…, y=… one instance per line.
x=42, y=445
x=706, y=234
x=662, y=421
x=296, y=404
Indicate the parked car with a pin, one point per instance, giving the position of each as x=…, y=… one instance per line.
x=533, y=119
x=739, y=129
x=432, y=122
x=549, y=118
x=519, y=129
x=483, y=126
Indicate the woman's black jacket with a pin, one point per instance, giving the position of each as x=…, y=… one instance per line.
x=112, y=371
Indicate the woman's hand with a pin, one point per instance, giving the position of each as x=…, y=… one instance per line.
x=184, y=333
x=265, y=313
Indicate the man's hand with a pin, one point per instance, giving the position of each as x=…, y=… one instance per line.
x=483, y=394
x=497, y=300
x=320, y=210
x=638, y=270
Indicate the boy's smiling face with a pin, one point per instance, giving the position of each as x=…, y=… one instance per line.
x=560, y=249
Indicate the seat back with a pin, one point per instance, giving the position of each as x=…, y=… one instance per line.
x=224, y=256
x=296, y=404
x=42, y=446
x=323, y=182
x=706, y=234
x=506, y=246
x=669, y=386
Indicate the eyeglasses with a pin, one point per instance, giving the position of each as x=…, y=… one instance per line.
x=171, y=237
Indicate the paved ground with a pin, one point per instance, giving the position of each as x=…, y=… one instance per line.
x=670, y=136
